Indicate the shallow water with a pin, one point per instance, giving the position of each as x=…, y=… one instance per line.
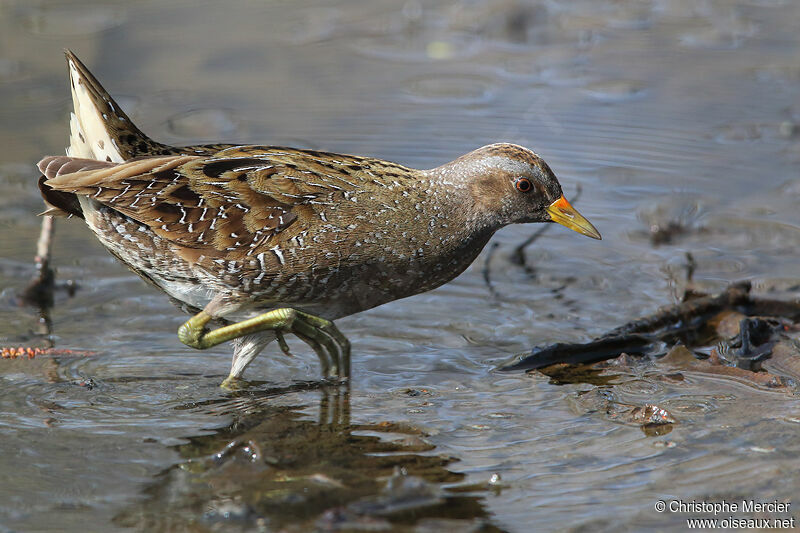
x=661, y=111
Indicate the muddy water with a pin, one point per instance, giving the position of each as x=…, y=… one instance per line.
x=662, y=112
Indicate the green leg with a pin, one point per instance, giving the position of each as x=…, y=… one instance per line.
x=330, y=345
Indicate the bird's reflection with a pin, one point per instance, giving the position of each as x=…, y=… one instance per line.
x=274, y=468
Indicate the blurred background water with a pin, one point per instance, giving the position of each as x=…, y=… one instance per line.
x=663, y=112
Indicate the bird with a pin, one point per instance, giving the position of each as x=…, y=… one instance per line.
x=262, y=241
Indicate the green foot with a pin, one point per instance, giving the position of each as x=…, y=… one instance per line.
x=330, y=345
x=232, y=383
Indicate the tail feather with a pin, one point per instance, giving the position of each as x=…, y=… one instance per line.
x=99, y=128
x=101, y=135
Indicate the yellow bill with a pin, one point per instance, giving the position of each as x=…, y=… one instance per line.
x=560, y=211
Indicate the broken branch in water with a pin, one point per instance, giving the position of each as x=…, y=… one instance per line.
x=600, y=349
x=685, y=323
x=39, y=291
x=686, y=315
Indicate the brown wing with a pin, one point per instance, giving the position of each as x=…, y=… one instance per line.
x=62, y=203
x=229, y=205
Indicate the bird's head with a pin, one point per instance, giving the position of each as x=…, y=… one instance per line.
x=510, y=184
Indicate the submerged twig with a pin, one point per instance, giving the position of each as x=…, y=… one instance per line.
x=691, y=266
x=518, y=257
x=685, y=314
x=487, y=277
x=639, y=336
x=39, y=291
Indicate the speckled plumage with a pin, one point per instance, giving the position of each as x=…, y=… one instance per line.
x=262, y=227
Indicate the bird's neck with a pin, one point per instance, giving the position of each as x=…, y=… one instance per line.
x=454, y=190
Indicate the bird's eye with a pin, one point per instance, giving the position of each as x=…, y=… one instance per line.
x=523, y=184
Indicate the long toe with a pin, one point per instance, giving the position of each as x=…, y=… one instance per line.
x=232, y=383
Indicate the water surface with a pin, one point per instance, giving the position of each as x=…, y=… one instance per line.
x=660, y=111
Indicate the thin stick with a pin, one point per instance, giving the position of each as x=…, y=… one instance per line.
x=39, y=291
x=518, y=257
x=487, y=277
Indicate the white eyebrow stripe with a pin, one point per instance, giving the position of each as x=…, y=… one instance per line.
x=515, y=166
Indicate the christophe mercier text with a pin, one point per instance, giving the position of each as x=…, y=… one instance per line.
x=743, y=506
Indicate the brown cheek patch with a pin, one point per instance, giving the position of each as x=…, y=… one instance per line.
x=489, y=192
x=480, y=191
